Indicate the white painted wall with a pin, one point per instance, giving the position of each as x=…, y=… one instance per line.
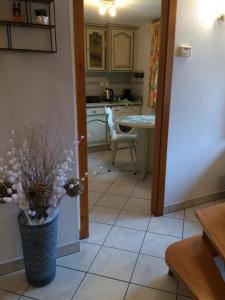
x=38, y=87
x=196, y=157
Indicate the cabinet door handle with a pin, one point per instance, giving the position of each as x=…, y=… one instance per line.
x=94, y=111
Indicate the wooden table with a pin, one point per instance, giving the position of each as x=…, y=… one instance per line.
x=143, y=124
x=212, y=220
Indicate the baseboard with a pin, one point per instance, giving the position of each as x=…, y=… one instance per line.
x=18, y=264
x=194, y=202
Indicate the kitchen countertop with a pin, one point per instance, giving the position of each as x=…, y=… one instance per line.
x=114, y=103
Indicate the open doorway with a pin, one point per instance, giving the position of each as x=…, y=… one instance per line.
x=121, y=64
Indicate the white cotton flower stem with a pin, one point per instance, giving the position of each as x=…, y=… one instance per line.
x=27, y=217
x=60, y=199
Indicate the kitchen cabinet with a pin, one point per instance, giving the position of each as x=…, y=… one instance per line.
x=122, y=49
x=95, y=49
x=110, y=48
x=96, y=127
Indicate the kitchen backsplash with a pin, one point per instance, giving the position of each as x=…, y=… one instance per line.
x=97, y=82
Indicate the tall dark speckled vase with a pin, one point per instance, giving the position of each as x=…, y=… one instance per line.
x=39, y=250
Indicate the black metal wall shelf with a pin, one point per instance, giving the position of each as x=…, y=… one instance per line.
x=28, y=23
x=28, y=50
x=39, y=1
x=24, y=24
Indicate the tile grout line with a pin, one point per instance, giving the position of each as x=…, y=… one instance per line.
x=103, y=192
x=87, y=272
x=13, y=293
x=113, y=225
x=23, y=294
x=120, y=280
x=146, y=231
x=139, y=230
x=120, y=210
x=125, y=250
x=139, y=252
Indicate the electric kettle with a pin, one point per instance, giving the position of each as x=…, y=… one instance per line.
x=108, y=94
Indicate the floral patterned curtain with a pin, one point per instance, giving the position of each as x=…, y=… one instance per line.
x=154, y=64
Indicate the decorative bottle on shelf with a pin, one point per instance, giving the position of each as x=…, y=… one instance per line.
x=17, y=11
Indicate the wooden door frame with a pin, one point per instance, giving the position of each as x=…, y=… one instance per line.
x=168, y=31
x=169, y=8
x=79, y=52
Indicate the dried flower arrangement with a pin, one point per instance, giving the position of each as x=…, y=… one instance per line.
x=35, y=175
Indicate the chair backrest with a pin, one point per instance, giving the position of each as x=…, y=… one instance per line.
x=111, y=124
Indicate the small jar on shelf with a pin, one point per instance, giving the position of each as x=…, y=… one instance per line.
x=17, y=17
x=41, y=17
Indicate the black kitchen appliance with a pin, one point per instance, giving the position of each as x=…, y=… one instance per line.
x=127, y=94
x=93, y=99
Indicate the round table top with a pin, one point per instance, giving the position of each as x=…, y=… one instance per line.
x=143, y=121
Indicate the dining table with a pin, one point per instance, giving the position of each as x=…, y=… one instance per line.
x=143, y=125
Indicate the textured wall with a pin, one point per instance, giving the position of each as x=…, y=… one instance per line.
x=196, y=158
x=38, y=87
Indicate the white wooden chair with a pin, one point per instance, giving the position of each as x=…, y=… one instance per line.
x=116, y=138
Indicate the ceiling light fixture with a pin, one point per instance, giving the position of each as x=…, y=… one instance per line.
x=112, y=11
x=102, y=10
x=107, y=6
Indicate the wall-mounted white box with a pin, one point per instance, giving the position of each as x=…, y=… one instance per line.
x=184, y=51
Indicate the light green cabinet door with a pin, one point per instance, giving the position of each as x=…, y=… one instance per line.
x=95, y=49
x=122, y=50
x=97, y=130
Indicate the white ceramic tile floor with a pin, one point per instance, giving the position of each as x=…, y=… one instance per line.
x=123, y=259
x=141, y=192
x=107, y=178
x=82, y=260
x=99, y=187
x=63, y=287
x=104, y=215
x=14, y=282
x=125, y=239
x=127, y=179
x=133, y=220
x=8, y=296
x=142, y=293
x=120, y=190
x=112, y=201
x=176, y=215
x=191, y=228
x=156, y=244
x=138, y=205
x=99, y=288
x=94, y=197
x=97, y=233
x=189, y=214
x=166, y=226
x=153, y=272
x=114, y=263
